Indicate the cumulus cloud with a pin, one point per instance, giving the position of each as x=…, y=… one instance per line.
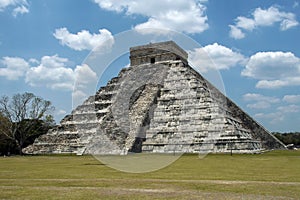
x=52, y=72
x=280, y=110
x=54, y=61
x=245, y=23
x=236, y=32
x=84, y=75
x=78, y=96
x=280, y=113
x=85, y=83
x=259, y=105
x=260, y=97
x=19, y=6
x=13, y=67
x=84, y=40
x=181, y=15
x=273, y=118
x=289, y=108
x=215, y=57
x=259, y=101
x=266, y=84
x=292, y=98
x=34, y=61
x=20, y=10
x=260, y=18
x=273, y=69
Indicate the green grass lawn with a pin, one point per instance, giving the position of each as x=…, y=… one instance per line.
x=272, y=175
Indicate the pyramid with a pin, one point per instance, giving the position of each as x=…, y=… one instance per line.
x=159, y=104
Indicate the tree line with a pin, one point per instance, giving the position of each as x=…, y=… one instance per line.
x=23, y=117
x=289, y=138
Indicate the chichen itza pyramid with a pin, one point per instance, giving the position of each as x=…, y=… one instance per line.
x=159, y=105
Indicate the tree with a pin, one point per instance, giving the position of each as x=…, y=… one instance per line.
x=24, y=117
x=289, y=138
x=7, y=145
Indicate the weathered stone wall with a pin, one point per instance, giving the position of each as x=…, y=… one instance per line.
x=192, y=116
x=163, y=106
x=258, y=132
x=158, y=52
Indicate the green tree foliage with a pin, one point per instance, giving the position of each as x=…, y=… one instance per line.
x=289, y=138
x=23, y=118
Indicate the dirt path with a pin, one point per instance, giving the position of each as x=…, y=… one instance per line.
x=150, y=188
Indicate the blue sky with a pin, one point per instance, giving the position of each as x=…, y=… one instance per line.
x=254, y=45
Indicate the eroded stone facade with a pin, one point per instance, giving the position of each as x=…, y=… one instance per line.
x=159, y=105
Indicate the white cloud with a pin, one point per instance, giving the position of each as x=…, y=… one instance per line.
x=260, y=97
x=287, y=24
x=259, y=105
x=236, y=32
x=261, y=18
x=289, y=109
x=270, y=65
x=267, y=17
x=266, y=84
x=20, y=10
x=19, y=6
x=78, y=96
x=280, y=114
x=245, y=23
x=54, y=61
x=215, y=57
x=51, y=71
x=180, y=15
x=273, y=69
x=14, y=67
x=273, y=118
x=291, y=98
x=84, y=75
x=34, y=61
x=84, y=40
x=260, y=101
x=54, y=73
x=85, y=83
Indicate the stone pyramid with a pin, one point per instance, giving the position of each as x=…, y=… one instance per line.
x=160, y=105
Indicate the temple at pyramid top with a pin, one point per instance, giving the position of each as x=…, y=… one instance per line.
x=157, y=53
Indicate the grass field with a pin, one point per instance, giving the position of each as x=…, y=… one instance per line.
x=272, y=175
